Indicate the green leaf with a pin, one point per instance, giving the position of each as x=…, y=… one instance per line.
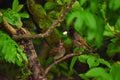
x=90, y=20
x=115, y=71
x=68, y=41
x=114, y=4
x=10, y=51
x=50, y=5
x=93, y=5
x=82, y=2
x=19, y=7
x=60, y=2
x=67, y=1
x=102, y=61
x=108, y=32
x=64, y=65
x=91, y=34
x=83, y=58
x=74, y=59
x=76, y=6
x=71, y=17
x=3, y=46
x=18, y=60
x=53, y=14
x=103, y=9
x=40, y=9
x=15, y=4
x=92, y=62
x=98, y=73
x=24, y=15
x=117, y=25
x=13, y=18
x=99, y=31
x=83, y=77
x=113, y=47
x=10, y=54
x=22, y=55
x=79, y=23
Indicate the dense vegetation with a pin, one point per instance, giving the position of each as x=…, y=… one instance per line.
x=73, y=39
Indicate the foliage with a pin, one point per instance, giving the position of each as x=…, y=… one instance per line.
x=95, y=20
x=114, y=4
x=91, y=22
x=100, y=73
x=13, y=16
x=115, y=71
x=113, y=47
x=87, y=24
x=50, y=5
x=10, y=51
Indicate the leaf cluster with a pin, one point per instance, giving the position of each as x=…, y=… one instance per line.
x=13, y=15
x=10, y=51
x=95, y=21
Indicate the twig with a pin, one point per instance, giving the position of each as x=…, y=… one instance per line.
x=7, y=26
x=66, y=57
x=59, y=60
x=47, y=33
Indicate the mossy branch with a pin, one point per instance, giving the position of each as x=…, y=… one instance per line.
x=47, y=33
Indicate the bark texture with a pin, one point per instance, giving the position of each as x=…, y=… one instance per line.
x=34, y=65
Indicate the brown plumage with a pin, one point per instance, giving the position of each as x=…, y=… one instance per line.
x=77, y=39
x=58, y=51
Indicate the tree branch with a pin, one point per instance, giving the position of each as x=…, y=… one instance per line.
x=66, y=57
x=7, y=26
x=59, y=60
x=47, y=33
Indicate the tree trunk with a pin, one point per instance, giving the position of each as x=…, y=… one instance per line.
x=33, y=63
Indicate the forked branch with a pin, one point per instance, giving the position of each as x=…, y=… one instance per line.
x=47, y=33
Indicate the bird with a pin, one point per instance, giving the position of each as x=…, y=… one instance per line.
x=58, y=51
x=77, y=39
